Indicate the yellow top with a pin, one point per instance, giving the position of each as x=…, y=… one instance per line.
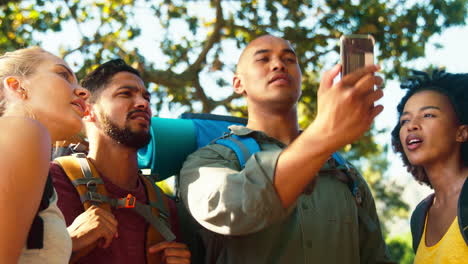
x=450, y=249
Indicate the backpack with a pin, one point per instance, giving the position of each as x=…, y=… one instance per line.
x=91, y=189
x=173, y=139
x=193, y=131
x=418, y=218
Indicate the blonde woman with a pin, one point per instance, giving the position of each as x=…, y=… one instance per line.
x=40, y=102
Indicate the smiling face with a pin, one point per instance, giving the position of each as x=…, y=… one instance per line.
x=430, y=131
x=54, y=97
x=268, y=72
x=123, y=110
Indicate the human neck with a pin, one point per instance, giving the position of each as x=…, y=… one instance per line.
x=281, y=125
x=21, y=112
x=116, y=162
x=447, y=179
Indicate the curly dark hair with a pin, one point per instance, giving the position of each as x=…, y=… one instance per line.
x=96, y=80
x=455, y=87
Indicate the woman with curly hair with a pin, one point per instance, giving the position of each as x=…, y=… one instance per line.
x=431, y=136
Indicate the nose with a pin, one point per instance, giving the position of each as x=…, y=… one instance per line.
x=81, y=92
x=142, y=103
x=278, y=65
x=413, y=124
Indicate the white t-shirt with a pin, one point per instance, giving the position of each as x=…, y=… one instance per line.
x=57, y=242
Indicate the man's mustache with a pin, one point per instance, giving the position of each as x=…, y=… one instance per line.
x=129, y=114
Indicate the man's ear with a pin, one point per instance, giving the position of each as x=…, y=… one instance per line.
x=462, y=133
x=13, y=85
x=237, y=84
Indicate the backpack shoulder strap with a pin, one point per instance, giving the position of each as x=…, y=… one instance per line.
x=355, y=185
x=158, y=230
x=86, y=180
x=35, y=238
x=243, y=146
x=418, y=219
x=89, y=186
x=463, y=211
x=353, y=179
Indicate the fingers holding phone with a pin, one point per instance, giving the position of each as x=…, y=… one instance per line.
x=356, y=51
x=346, y=108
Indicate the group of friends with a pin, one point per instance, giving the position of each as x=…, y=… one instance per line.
x=294, y=201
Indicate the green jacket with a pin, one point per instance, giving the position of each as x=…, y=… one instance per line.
x=244, y=221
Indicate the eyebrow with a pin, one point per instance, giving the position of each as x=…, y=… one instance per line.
x=66, y=68
x=133, y=88
x=261, y=51
x=130, y=87
x=423, y=108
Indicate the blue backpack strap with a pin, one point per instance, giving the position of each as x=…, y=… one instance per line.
x=243, y=146
x=339, y=158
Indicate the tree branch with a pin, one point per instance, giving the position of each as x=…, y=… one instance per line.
x=207, y=103
x=166, y=78
x=228, y=100
x=6, y=2
x=215, y=37
x=75, y=18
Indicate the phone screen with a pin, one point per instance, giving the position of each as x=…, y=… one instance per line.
x=356, y=51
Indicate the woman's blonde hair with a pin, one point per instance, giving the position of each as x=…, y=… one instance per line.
x=21, y=63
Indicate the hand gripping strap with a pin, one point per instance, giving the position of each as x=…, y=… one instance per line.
x=79, y=177
x=243, y=146
x=142, y=209
x=77, y=168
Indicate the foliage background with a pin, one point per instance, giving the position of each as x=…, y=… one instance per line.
x=187, y=50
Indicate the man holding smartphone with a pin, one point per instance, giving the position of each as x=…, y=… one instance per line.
x=291, y=202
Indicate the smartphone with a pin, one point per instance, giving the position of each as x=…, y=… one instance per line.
x=356, y=52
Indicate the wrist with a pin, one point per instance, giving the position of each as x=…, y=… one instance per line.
x=322, y=138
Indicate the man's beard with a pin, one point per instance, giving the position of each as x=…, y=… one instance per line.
x=125, y=136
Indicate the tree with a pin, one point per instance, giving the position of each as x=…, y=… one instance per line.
x=197, y=40
x=400, y=248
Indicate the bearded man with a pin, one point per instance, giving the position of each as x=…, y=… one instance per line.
x=117, y=125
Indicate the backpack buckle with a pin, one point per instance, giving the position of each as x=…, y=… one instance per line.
x=127, y=202
x=94, y=196
x=357, y=195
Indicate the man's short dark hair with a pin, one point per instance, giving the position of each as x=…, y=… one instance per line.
x=455, y=87
x=102, y=76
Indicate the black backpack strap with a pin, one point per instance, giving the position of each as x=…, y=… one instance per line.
x=354, y=185
x=353, y=179
x=463, y=211
x=36, y=232
x=418, y=218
